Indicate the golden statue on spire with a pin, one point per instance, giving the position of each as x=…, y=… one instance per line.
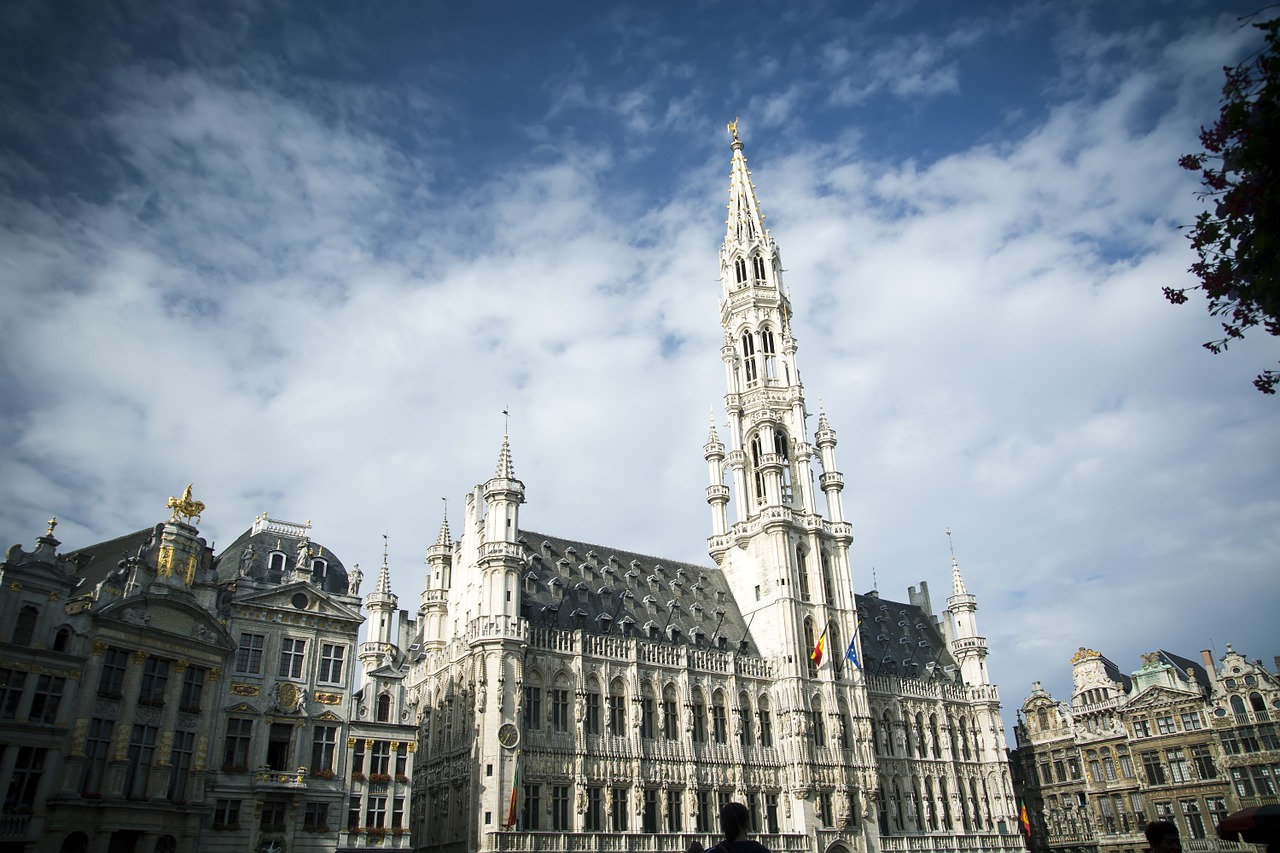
x=186, y=506
x=732, y=127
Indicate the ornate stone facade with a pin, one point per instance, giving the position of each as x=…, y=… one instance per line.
x=565, y=687
x=1175, y=740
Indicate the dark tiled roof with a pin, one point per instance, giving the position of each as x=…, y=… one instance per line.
x=902, y=640
x=1113, y=672
x=95, y=562
x=1188, y=667
x=577, y=585
x=227, y=563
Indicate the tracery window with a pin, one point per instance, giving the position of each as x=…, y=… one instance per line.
x=751, y=372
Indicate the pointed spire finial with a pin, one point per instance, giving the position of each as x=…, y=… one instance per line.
x=506, y=471
x=384, y=550
x=957, y=580
x=444, y=538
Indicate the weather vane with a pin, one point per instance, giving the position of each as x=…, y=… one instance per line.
x=949, y=545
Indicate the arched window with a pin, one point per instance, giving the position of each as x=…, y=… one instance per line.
x=781, y=448
x=319, y=571
x=617, y=708
x=973, y=802
x=739, y=270
x=1259, y=707
x=946, y=803
x=770, y=354
x=1237, y=706
x=818, y=724
x=744, y=717
x=276, y=564
x=25, y=631
x=1042, y=717
x=897, y=806
x=834, y=647
x=809, y=642
x=384, y=707
x=699, y=720
x=828, y=580
x=749, y=358
x=757, y=264
x=757, y=473
x=802, y=572
x=719, y=718
x=62, y=639
x=766, y=722
x=670, y=713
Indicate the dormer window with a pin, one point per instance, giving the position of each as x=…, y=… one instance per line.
x=276, y=563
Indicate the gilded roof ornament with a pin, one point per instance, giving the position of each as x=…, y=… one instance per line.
x=186, y=506
x=1084, y=654
x=732, y=127
x=53, y=522
x=1151, y=659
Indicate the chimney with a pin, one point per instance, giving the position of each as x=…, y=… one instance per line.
x=1210, y=667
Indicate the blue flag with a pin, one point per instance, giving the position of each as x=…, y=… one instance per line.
x=852, y=653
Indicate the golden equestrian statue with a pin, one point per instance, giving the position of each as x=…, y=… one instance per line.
x=732, y=127
x=186, y=506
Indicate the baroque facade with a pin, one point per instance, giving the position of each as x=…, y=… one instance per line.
x=566, y=688
x=1178, y=739
x=156, y=697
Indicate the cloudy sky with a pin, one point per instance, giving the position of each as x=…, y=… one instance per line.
x=303, y=255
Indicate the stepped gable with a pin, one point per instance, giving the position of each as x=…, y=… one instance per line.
x=572, y=585
x=902, y=640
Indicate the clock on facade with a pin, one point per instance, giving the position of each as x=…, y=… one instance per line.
x=508, y=735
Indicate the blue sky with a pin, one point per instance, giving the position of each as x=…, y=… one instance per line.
x=303, y=255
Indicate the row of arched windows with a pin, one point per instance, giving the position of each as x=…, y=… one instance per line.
x=740, y=270
x=922, y=738
x=25, y=630
x=908, y=805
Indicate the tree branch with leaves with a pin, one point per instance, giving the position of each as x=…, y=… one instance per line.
x=1236, y=239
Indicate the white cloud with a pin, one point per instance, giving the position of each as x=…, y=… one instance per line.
x=280, y=303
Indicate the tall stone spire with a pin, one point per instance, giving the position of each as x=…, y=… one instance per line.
x=381, y=606
x=967, y=646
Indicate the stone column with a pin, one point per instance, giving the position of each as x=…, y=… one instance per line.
x=119, y=760
x=162, y=769
x=73, y=763
x=200, y=761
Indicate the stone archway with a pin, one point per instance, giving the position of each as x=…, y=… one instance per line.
x=76, y=842
x=838, y=847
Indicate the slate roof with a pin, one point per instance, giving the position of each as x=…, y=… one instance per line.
x=1186, y=667
x=1113, y=672
x=95, y=562
x=571, y=585
x=902, y=640
x=227, y=563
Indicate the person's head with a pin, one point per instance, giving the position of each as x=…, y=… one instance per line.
x=694, y=847
x=735, y=820
x=1162, y=836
